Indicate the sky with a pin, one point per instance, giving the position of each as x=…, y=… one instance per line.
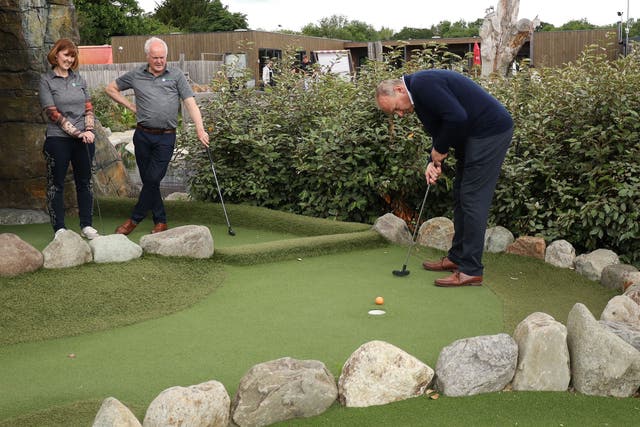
x=273, y=15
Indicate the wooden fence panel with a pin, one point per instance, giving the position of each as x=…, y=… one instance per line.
x=100, y=75
x=555, y=48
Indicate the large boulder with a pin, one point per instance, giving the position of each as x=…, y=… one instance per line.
x=476, y=365
x=543, y=355
x=192, y=241
x=631, y=279
x=530, y=246
x=201, y=405
x=623, y=309
x=627, y=332
x=283, y=389
x=633, y=292
x=114, y=248
x=393, y=228
x=615, y=276
x=602, y=364
x=67, y=249
x=10, y=216
x=560, y=253
x=497, y=239
x=18, y=256
x=113, y=413
x=436, y=233
x=591, y=264
x=378, y=373
x=178, y=195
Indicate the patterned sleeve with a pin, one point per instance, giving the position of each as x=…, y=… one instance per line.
x=56, y=117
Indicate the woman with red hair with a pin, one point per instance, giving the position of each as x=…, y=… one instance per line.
x=64, y=97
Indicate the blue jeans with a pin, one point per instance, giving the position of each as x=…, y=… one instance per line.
x=153, y=154
x=477, y=170
x=58, y=152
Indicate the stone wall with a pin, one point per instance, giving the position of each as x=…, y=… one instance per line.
x=30, y=28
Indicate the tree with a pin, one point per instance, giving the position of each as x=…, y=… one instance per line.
x=577, y=24
x=442, y=29
x=385, y=33
x=463, y=29
x=99, y=20
x=198, y=16
x=634, y=28
x=408, y=33
x=339, y=27
x=546, y=26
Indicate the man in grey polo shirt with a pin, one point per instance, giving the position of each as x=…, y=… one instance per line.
x=158, y=91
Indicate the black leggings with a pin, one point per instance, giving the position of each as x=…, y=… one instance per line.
x=58, y=152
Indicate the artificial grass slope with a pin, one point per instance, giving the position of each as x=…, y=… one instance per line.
x=239, y=216
x=135, y=363
x=56, y=303
x=315, y=308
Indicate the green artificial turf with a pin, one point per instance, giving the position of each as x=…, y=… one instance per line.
x=314, y=308
x=55, y=303
x=229, y=315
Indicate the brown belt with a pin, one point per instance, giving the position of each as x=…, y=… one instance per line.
x=154, y=131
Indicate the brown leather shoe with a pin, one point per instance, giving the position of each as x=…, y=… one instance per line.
x=443, y=265
x=459, y=279
x=159, y=227
x=126, y=228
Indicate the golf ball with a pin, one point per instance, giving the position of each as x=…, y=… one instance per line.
x=379, y=300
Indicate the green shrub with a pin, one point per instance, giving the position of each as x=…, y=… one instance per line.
x=326, y=152
x=111, y=114
x=572, y=172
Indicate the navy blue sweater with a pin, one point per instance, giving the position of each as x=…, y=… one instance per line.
x=453, y=108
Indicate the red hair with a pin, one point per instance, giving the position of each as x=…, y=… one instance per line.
x=62, y=45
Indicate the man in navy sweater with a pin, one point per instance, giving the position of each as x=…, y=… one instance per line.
x=458, y=114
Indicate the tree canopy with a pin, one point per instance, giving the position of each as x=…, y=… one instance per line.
x=340, y=27
x=99, y=20
x=197, y=16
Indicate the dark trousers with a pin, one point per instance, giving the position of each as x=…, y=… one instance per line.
x=153, y=154
x=477, y=171
x=58, y=152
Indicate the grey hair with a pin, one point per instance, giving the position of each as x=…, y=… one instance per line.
x=385, y=87
x=151, y=40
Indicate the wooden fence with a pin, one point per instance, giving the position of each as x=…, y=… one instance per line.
x=100, y=75
x=556, y=48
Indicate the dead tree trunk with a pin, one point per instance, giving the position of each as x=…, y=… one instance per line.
x=502, y=36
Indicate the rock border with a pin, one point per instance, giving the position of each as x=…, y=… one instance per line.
x=586, y=357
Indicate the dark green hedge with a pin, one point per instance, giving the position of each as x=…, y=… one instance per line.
x=572, y=172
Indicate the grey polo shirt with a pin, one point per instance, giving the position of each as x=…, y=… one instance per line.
x=68, y=95
x=157, y=98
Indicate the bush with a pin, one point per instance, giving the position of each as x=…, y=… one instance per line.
x=326, y=151
x=572, y=172
x=111, y=114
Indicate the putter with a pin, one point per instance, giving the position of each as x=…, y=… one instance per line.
x=404, y=271
x=91, y=163
x=215, y=177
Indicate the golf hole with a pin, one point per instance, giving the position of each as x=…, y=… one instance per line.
x=376, y=312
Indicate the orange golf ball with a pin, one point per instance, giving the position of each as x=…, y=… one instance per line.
x=379, y=300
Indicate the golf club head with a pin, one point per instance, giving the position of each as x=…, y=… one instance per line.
x=401, y=273
x=231, y=232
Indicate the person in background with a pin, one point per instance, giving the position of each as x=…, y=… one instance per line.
x=65, y=100
x=267, y=74
x=458, y=114
x=158, y=91
x=306, y=68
